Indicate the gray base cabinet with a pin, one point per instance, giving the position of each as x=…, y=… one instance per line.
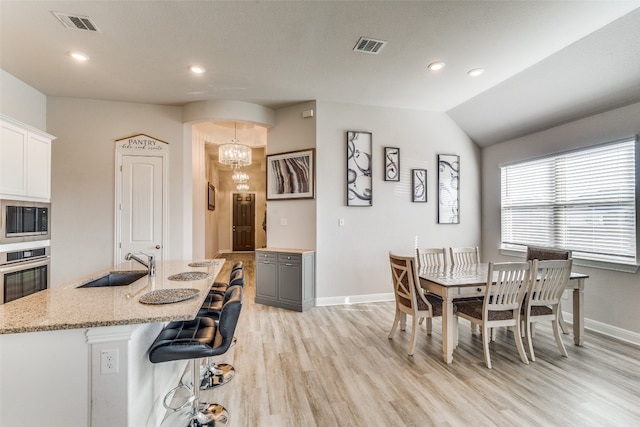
x=285, y=278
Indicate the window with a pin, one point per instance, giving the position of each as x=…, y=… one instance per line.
x=583, y=200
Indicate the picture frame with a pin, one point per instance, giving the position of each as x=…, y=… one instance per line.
x=211, y=197
x=392, y=164
x=448, y=189
x=419, y=185
x=359, y=165
x=291, y=175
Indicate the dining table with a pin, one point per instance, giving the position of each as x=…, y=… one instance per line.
x=456, y=282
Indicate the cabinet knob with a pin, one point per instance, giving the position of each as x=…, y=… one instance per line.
x=158, y=246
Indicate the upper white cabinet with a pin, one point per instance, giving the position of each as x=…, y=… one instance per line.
x=25, y=161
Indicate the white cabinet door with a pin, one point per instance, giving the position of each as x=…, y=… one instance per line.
x=38, y=166
x=13, y=160
x=25, y=161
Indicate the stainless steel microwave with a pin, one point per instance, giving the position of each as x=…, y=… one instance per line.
x=22, y=221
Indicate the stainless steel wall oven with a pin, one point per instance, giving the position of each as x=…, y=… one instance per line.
x=23, y=272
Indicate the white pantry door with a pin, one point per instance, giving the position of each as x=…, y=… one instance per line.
x=142, y=206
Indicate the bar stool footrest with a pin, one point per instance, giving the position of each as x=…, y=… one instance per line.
x=217, y=375
x=213, y=415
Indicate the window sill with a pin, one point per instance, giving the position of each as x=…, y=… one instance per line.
x=602, y=265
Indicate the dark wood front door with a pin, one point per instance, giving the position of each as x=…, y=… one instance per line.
x=244, y=220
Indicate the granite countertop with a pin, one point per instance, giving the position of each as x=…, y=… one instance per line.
x=70, y=307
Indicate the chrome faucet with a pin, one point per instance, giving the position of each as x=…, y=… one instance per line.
x=151, y=264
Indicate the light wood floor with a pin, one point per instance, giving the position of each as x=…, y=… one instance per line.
x=335, y=366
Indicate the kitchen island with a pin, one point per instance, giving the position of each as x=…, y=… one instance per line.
x=78, y=356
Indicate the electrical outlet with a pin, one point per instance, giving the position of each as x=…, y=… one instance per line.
x=109, y=361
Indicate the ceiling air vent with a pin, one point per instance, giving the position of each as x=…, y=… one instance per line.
x=368, y=45
x=76, y=22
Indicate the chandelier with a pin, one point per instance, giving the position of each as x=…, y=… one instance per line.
x=234, y=154
x=239, y=176
x=242, y=187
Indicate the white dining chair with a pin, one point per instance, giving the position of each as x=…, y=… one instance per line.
x=542, y=303
x=465, y=255
x=468, y=255
x=431, y=257
x=543, y=253
x=507, y=283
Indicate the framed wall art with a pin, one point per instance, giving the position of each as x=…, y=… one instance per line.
x=211, y=197
x=391, y=164
x=419, y=185
x=448, y=189
x=359, y=179
x=291, y=175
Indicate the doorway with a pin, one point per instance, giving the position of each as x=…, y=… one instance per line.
x=244, y=221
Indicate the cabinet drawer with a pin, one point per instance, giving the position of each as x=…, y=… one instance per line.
x=471, y=291
x=288, y=258
x=266, y=256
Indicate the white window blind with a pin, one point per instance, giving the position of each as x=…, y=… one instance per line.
x=583, y=200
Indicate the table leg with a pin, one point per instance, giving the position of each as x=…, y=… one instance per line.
x=578, y=313
x=448, y=330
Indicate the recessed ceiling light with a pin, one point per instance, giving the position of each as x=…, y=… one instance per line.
x=475, y=72
x=435, y=66
x=196, y=69
x=79, y=56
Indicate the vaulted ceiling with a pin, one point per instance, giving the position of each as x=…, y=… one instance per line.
x=546, y=62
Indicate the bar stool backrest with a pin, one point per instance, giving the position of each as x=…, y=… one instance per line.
x=236, y=278
x=229, y=316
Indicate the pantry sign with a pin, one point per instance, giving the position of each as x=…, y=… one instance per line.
x=142, y=143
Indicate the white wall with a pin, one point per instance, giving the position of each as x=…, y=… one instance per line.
x=290, y=133
x=83, y=178
x=199, y=195
x=353, y=260
x=610, y=297
x=211, y=232
x=21, y=102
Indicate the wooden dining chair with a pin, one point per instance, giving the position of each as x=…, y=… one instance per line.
x=431, y=257
x=469, y=255
x=465, y=255
x=507, y=283
x=542, y=303
x=543, y=253
x=410, y=300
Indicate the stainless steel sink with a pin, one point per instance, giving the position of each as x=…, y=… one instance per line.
x=115, y=279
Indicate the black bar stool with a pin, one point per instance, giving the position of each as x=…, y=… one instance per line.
x=219, y=288
x=197, y=339
x=217, y=374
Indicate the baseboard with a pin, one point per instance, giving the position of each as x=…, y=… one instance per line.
x=589, y=324
x=356, y=299
x=606, y=330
